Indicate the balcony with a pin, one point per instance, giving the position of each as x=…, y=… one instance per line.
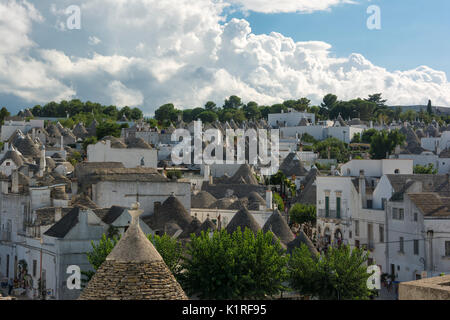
x=5, y=235
x=332, y=214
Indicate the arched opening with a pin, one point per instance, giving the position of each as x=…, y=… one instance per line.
x=338, y=237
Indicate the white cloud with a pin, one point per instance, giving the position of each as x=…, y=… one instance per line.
x=20, y=74
x=93, y=41
x=122, y=96
x=179, y=51
x=303, y=6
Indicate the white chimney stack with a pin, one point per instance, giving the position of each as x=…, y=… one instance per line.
x=362, y=188
x=58, y=214
x=269, y=199
x=15, y=182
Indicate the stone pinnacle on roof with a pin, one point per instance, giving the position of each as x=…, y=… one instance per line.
x=134, y=270
x=134, y=245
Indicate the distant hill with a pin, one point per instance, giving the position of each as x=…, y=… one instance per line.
x=438, y=110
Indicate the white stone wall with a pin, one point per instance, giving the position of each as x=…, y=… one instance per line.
x=291, y=118
x=123, y=193
x=131, y=158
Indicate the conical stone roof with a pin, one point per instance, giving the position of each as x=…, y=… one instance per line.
x=171, y=211
x=302, y=238
x=279, y=227
x=203, y=199
x=243, y=219
x=134, y=270
x=206, y=226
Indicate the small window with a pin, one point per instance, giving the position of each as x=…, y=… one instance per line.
x=401, y=245
x=381, y=230
x=34, y=268
x=416, y=247
x=350, y=234
x=397, y=171
x=369, y=204
x=357, y=244
x=447, y=248
x=356, y=228
x=416, y=216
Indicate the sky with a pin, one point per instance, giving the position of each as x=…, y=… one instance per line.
x=146, y=53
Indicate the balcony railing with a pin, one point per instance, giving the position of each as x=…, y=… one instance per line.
x=5, y=235
x=331, y=214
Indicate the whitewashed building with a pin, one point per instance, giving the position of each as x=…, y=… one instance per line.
x=130, y=157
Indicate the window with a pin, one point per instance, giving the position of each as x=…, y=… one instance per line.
x=338, y=207
x=381, y=230
x=357, y=244
x=357, y=228
x=394, y=213
x=397, y=171
x=447, y=248
x=398, y=213
x=350, y=234
x=401, y=245
x=416, y=247
x=34, y=268
x=369, y=204
x=327, y=206
x=415, y=216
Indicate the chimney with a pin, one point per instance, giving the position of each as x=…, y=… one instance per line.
x=15, y=181
x=62, y=143
x=206, y=172
x=156, y=207
x=58, y=214
x=269, y=199
x=362, y=188
x=4, y=186
x=210, y=179
x=33, y=133
x=42, y=162
x=6, y=148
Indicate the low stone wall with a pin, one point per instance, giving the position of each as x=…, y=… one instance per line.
x=436, y=288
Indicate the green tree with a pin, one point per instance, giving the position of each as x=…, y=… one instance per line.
x=170, y=250
x=208, y=116
x=278, y=201
x=339, y=274
x=136, y=114
x=356, y=138
x=167, y=112
x=429, y=108
x=329, y=101
x=237, y=266
x=338, y=149
x=428, y=169
x=251, y=110
x=75, y=158
x=383, y=143
x=211, y=106
x=377, y=99
x=3, y=114
x=108, y=128
x=367, y=135
x=303, y=213
x=233, y=102
x=88, y=141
